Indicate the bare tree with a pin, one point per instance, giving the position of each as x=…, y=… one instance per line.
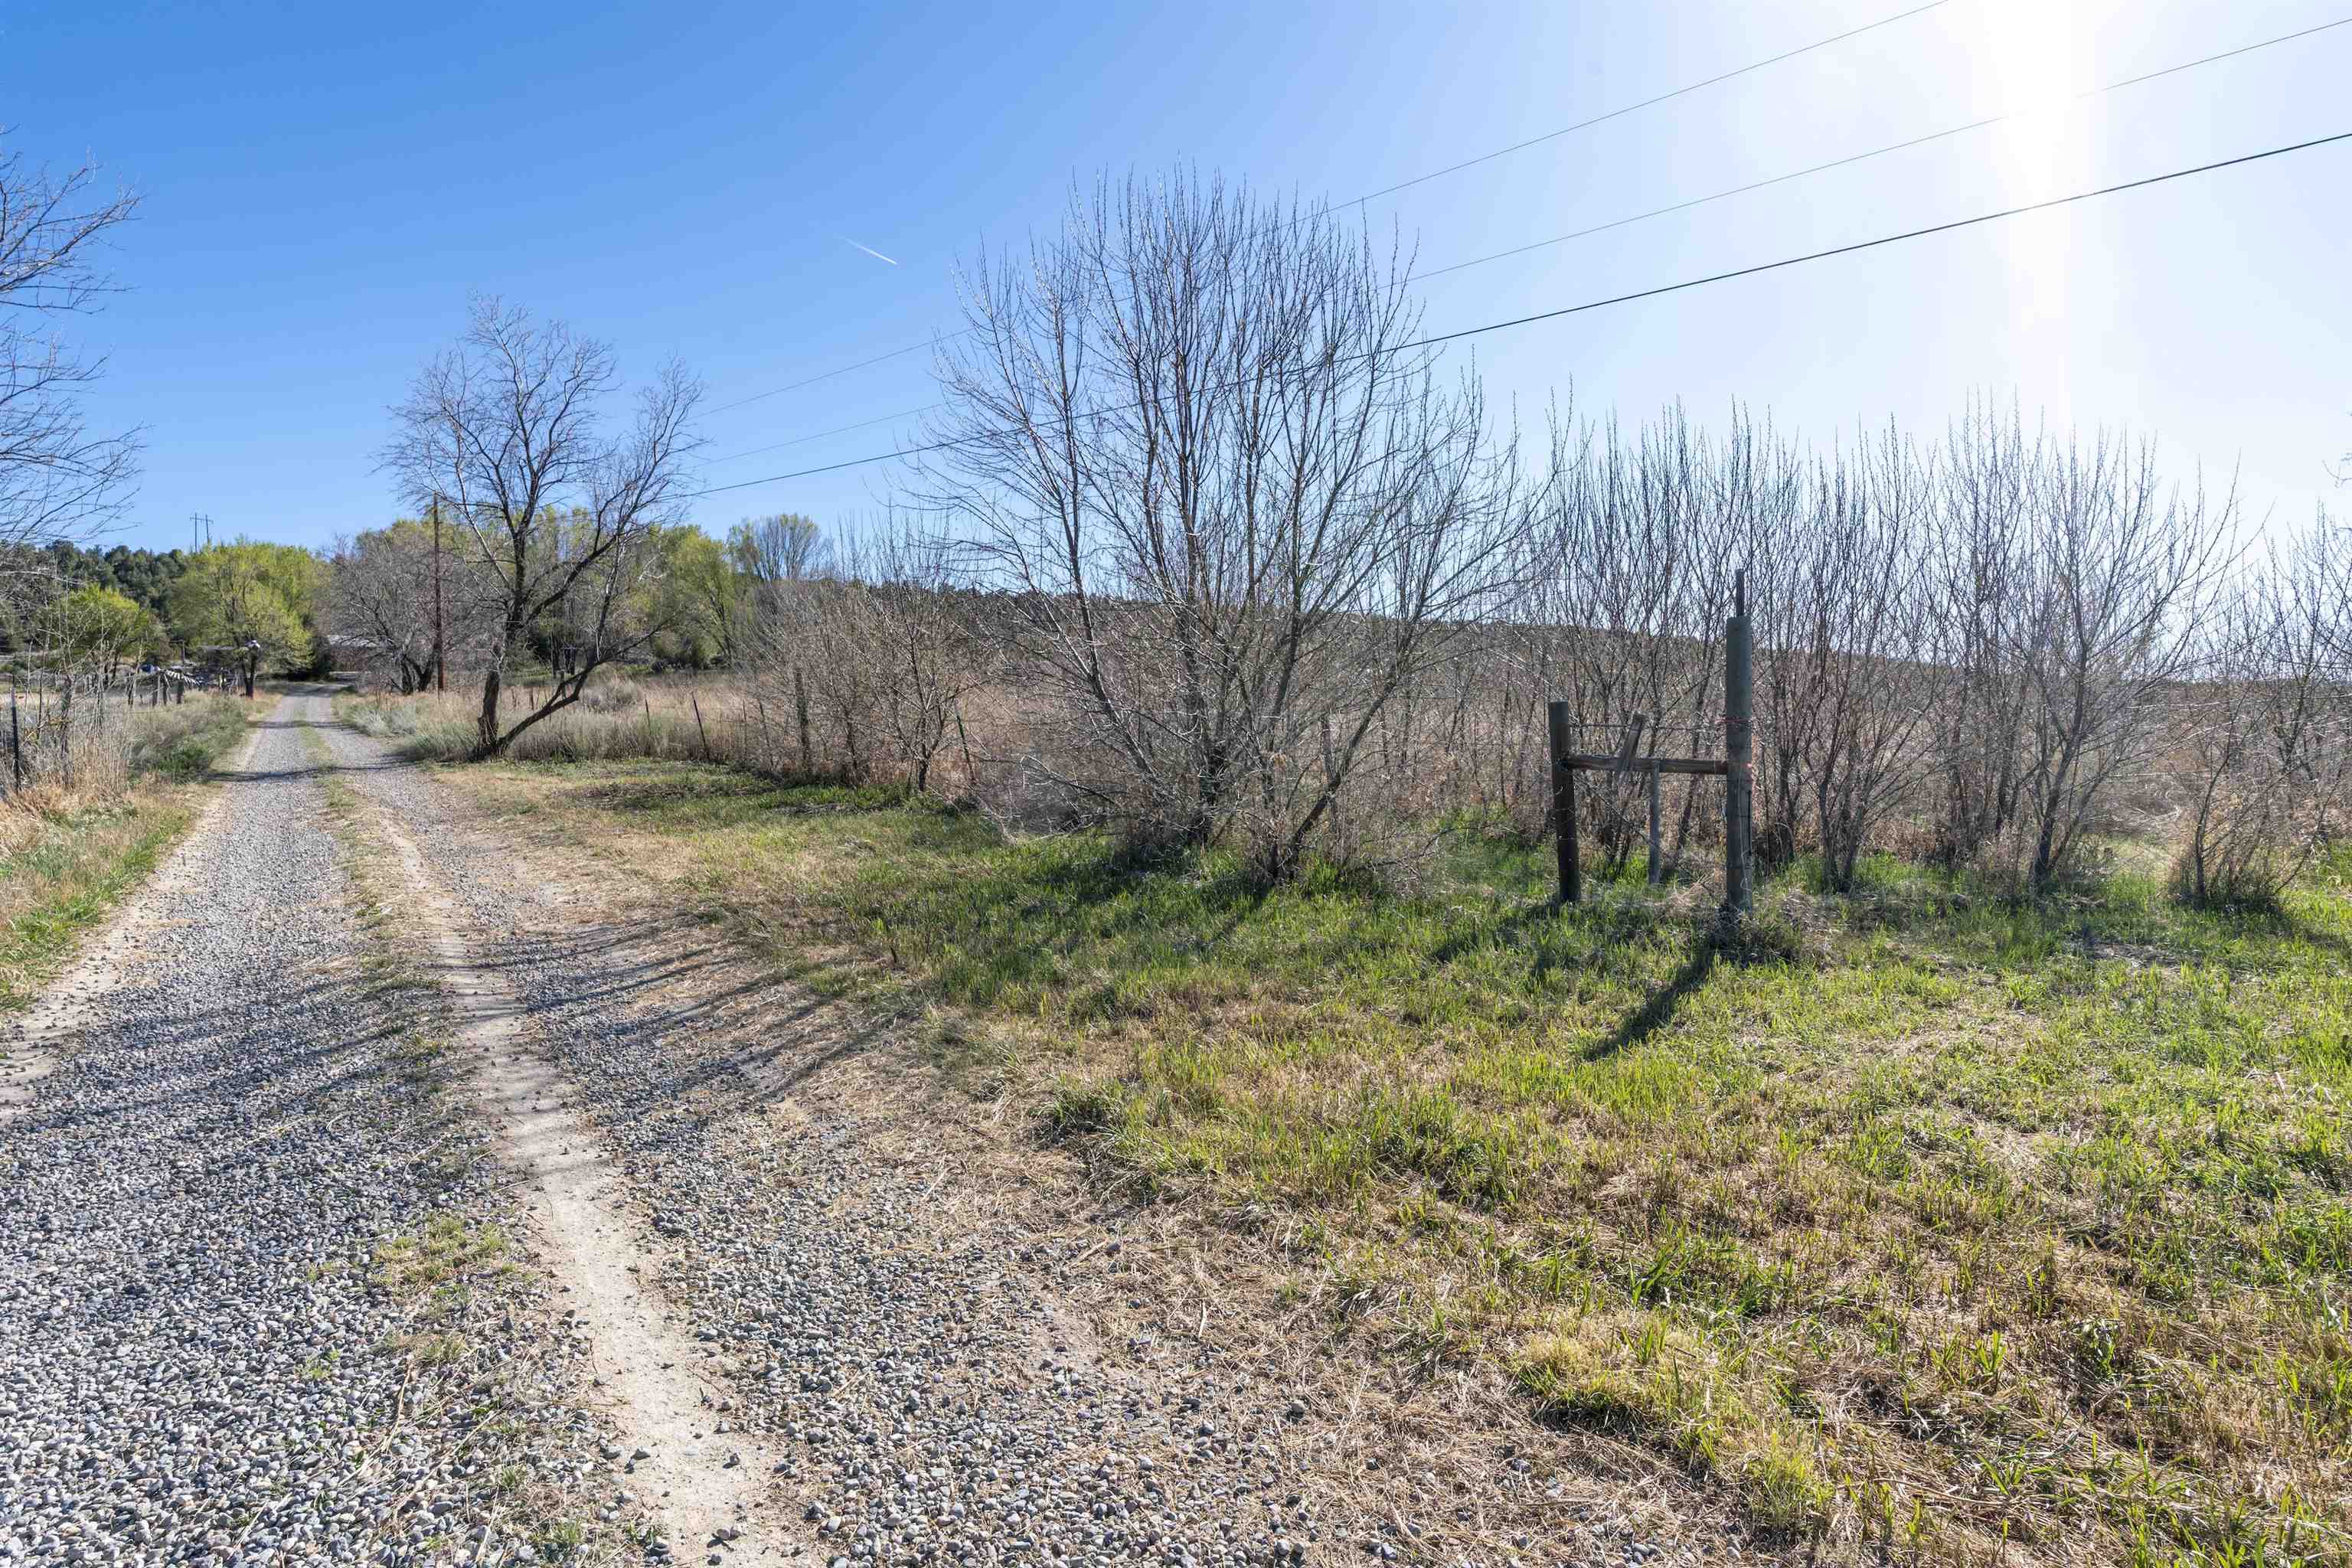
x=507, y=432
x=1230, y=502
x=2123, y=567
x=918, y=659
x=55, y=479
x=1627, y=556
x=380, y=589
x=1846, y=687
x=777, y=553
x=1983, y=534
x=2264, y=729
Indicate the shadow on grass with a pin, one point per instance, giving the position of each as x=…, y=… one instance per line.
x=1118, y=891
x=1654, y=1015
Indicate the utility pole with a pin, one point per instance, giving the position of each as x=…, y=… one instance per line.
x=200, y=531
x=440, y=625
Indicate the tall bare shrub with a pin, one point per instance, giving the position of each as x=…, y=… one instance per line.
x=1627, y=575
x=1849, y=645
x=1189, y=435
x=2263, y=728
x=2124, y=565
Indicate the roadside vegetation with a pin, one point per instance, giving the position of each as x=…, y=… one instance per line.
x=1926, y=1217
x=68, y=854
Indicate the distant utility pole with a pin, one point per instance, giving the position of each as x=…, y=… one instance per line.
x=200, y=530
x=440, y=625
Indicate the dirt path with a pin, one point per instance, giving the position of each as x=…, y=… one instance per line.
x=895, y=1335
x=707, y=1485
x=954, y=1350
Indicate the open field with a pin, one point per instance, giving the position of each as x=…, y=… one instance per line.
x=67, y=857
x=1932, y=1221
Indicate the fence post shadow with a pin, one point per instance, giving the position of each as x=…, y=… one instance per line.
x=1655, y=1015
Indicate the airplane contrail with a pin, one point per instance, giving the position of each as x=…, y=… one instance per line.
x=867, y=249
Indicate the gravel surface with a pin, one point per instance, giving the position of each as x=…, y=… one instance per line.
x=935, y=1402
x=203, y=1356
x=255, y=1307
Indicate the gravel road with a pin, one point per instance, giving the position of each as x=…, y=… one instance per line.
x=253, y=1220
x=193, y=1364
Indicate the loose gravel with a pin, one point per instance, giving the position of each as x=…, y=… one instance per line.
x=252, y=1305
x=936, y=1410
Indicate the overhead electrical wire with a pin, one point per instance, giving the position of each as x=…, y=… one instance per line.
x=1853, y=158
x=1651, y=293
x=1670, y=208
x=1645, y=103
x=1438, y=173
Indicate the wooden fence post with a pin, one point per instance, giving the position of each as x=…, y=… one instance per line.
x=1564, y=805
x=1657, y=864
x=1739, y=746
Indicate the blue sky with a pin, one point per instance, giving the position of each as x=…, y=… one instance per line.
x=324, y=184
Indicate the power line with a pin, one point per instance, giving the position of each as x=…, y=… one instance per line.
x=1651, y=293
x=826, y=375
x=1439, y=173
x=1645, y=103
x=2085, y=96
x=1671, y=208
x=836, y=431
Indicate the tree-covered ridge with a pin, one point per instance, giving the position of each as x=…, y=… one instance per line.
x=143, y=576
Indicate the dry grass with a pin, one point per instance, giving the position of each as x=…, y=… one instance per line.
x=618, y=717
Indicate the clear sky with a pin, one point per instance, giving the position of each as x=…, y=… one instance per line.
x=323, y=185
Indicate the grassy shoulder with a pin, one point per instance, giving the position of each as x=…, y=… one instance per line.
x=1940, y=1227
x=66, y=860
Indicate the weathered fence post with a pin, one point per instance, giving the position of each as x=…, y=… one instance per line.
x=15, y=736
x=1738, y=745
x=1657, y=864
x=1564, y=805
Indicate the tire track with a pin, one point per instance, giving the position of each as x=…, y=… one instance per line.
x=706, y=1484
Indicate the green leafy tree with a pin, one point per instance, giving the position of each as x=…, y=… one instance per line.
x=251, y=602
x=697, y=598
x=107, y=629
x=782, y=547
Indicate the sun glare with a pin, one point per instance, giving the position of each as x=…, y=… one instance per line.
x=2028, y=61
